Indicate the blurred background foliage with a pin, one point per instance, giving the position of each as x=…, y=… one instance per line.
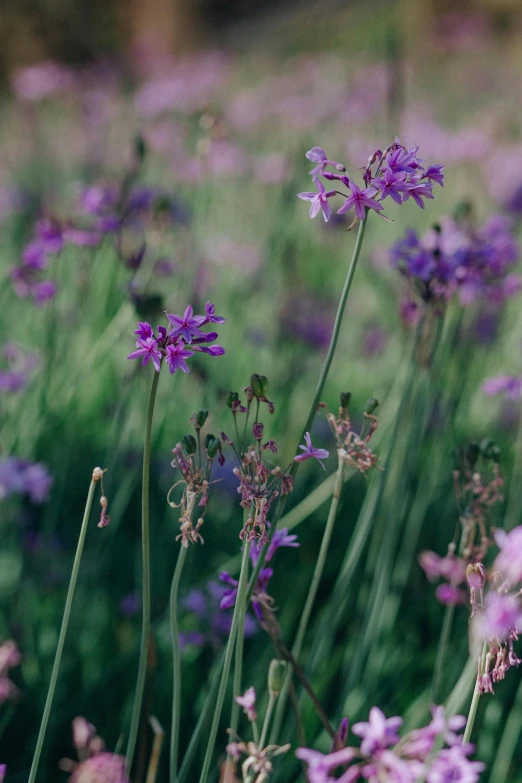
x=227, y=97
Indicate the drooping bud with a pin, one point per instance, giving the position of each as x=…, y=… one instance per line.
x=256, y=385
x=199, y=419
x=257, y=431
x=371, y=406
x=212, y=444
x=276, y=676
x=189, y=444
x=339, y=738
x=345, y=398
x=231, y=398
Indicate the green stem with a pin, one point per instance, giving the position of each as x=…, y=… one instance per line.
x=475, y=700
x=240, y=640
x=441, y=653
x=268, y=716
x=318, y=391
x=204, y=716
x=145, y=544
x=335, y=333
x=176, y=665
x=508, y=741
x=310, y=599
x=514, y=496
x=240, y=598
x=63, y=632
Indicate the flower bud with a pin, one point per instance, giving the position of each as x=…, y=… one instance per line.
x=345, y=398
x=212, y=443
x=231, y=398
x=276, y=676
x=257, y=431
x=189, y=444
x=489, y=449
x=371, y=406
x=199, y=419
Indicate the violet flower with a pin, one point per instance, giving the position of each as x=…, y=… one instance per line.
x=379, y=733
x=175, y=356
x=361, y=199
x=319, y=201
x=186, y=326
x=149, y=351
x=391, y=183
x=248, y=702
x=310, y=452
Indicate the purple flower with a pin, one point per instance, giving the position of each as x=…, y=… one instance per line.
x=19, y=476
x=44, y=291
x=452, y=765
x=106, y=767
x=434, y=174
x=318, y=155
x=309, y=451
x=392, y=183
x=175, y=356
x=509, y=560
x=279, y=539
x=149, y=351
x=131, y=604
x=418, y=190
x=211, y=350
x=210, y=315
x=248, y=702
x=502, y=615
x=320, y=765
x=379, y=733
x=319, y=201
x=511, y=386
x=361, y=199
x=144, y=330
x=37, y=482
x=186, y=326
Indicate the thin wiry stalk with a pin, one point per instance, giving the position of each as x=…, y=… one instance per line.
x=63, y=632
x=145, y=543
x=176, y=665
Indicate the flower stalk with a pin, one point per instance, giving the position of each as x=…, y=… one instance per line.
x=145, y=543
x=176, y=665
x=97, y=473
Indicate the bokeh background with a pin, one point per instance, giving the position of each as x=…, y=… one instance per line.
x=204, y=112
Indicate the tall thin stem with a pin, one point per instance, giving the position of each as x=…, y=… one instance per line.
x=310, y=599
x=145, y=546
x=441, y=653
x=240, y=597
x=319, y=389
x=336, y=329
x=268, y=715
x=176, y=665
x=63, y=631
x=238, y=669
x=475, y=700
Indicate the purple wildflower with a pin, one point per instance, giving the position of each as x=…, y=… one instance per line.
x=510, y=385
x=310, y=452
x=175, y=356
x=379, y=733
x=186, y=326
x=148, y=349
x=434, y=174
x=391, y=183
x=418, y=190
x=361, y=199
x=509, y=560
x=319, y=201
x=210, y=315
x=320, y=765
x=451, y=765
x=501, y=616
x=144, y=330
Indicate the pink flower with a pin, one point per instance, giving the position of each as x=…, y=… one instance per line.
x=319, y=201
x=310, y=451
x=379, y=733
x=509, y=559
x=248, y=702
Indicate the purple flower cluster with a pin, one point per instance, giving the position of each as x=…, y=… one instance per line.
x=20, y=365
x=475, y=263
x=29, y=276
x=382, y=755
x=262, y=603
x=17, y=476
x=397, y=172
x=170, y=343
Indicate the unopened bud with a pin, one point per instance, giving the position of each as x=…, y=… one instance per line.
x=231, y=398
x=345, y=398
x=189, y=444
x=97, y=474
x=257, y=431
x=212, y=444
x=371, y=406
x=199, y=418
x=276, y=676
